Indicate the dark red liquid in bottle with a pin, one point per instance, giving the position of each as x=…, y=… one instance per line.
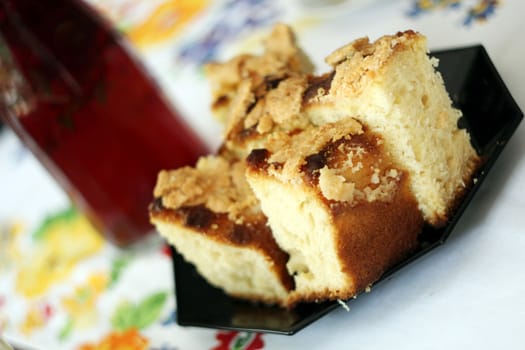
x=98, y=122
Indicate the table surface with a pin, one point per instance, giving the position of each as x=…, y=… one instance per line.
x=469, y=292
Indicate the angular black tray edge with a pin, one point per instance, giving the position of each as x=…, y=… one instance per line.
x=489, y=113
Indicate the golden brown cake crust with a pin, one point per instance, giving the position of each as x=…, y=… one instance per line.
x=214, y=200
x=215, y=182
x=376, y=235
x=374, y=215
x=253, y=233
x=373, y=238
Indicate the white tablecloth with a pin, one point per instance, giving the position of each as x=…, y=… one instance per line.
x=466, y=294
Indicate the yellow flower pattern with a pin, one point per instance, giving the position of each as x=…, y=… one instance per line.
x=165, y=21
x=36, y=317
x=61, y=243
x=81, y=305
x=10, y=235
x=64, y=241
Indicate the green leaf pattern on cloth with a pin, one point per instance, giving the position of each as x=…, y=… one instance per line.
x=56, y=219
x=117, y=267
x=129, y=315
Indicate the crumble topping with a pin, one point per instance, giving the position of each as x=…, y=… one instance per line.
x=335, y=187
x=292, y=151
x=281, y=56
x=214, y=182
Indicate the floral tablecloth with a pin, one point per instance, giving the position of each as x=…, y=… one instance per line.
x=56, y=293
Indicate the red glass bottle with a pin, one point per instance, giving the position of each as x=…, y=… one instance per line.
x=94, y=118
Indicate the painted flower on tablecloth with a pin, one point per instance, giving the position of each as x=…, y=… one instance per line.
x=81, y=304
x=420, y=6
x=481, y=11
x=129, y=339
x=150, y=22
x=61, y=242
x=233, y=340
x=477, y=11
x=165, y=22
x=9, y=244
x=140, y=315
x=233, y=19
x=127, y=321
x=37, y=316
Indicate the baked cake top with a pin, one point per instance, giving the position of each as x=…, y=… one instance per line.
x=214, y=182
x=343, y=161
x=281, y=57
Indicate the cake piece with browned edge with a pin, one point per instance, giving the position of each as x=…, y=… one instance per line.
x=339, y=205
x=243, y=90
x=209, y=213
x=392, y=86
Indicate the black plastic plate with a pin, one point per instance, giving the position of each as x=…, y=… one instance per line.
x=490, y=114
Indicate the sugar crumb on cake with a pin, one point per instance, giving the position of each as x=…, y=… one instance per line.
x=334, y=186
x=281, y=57
x=333, y=156
x=215, y=183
